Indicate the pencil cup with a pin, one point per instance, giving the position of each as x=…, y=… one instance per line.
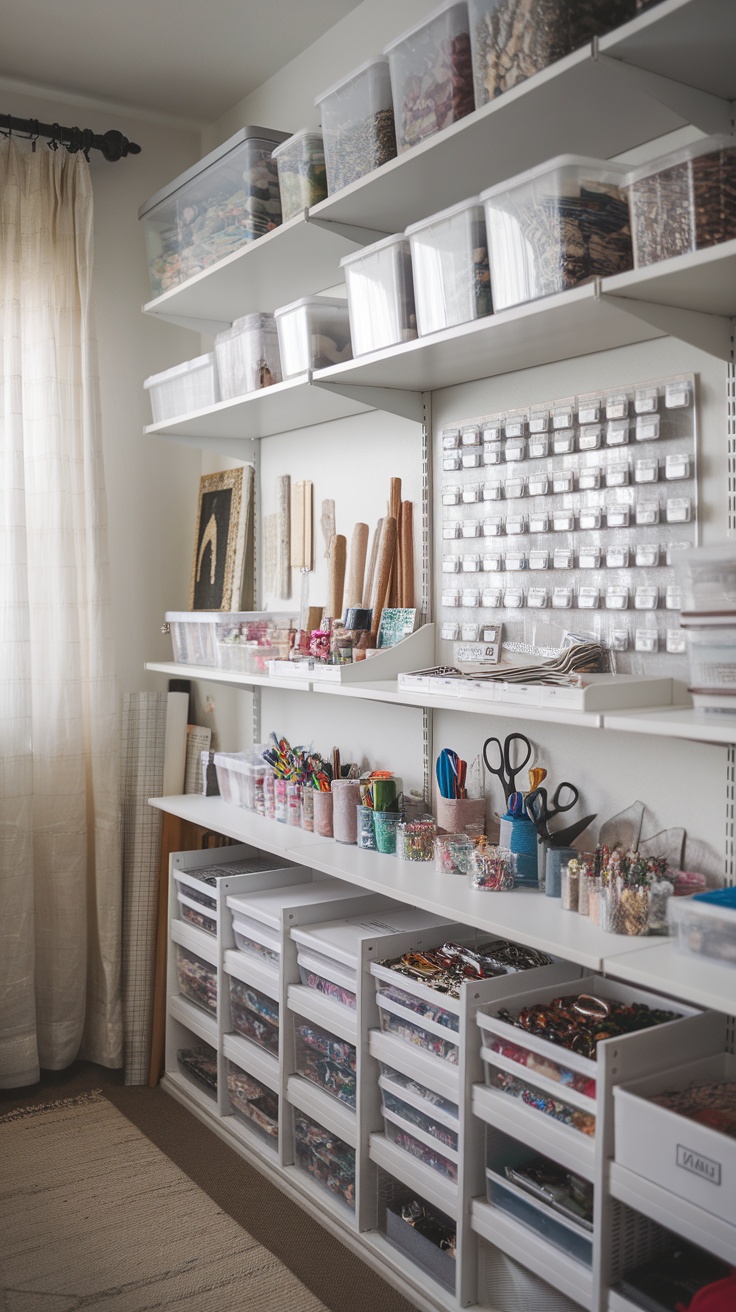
x=557, y=858
x=323, y=814
x=384, y=826
x=345, y=803
x=461, y=815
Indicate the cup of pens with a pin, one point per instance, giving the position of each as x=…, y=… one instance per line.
x=456, y=812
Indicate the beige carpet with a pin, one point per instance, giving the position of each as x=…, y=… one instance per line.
x=94, y=1217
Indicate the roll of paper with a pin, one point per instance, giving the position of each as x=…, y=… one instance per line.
x=356, y=570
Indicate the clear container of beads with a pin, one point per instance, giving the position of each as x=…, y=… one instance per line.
x=259, y=784
x=268, y=796
x=294, y=804
x=624, y=908
x=452, y=853
x=584, y=893
x=345, y=803
x=660, y=892
x=308, y=808
x=493, y=869
x=280, y=804
x=323, y=813
x=366, y=832
x=384, y=827
x=569, y=885
x=415, y=839
x=595, y=888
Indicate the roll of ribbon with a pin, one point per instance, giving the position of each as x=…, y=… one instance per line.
x=357, y=618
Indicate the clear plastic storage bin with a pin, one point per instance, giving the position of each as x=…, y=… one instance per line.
x=190, y=386
x=199, y=1064
x=706, y=577
x=431, y=75
x=195, y=634
x=235, y=778
x=413, y=1141
x=556, y=226
x=329, y=1160
x=449, y=256
x=705, y=925
x=247, y=657
x=252, y=1102
x=684, y=201
x=248, y=356
x=357, y=124
x=302, y=177
x=513, y=39
x=314, y=333
x=258, y=939
x=195, y=914
x=254, y=1015
x=380, y=295
x=197, y=980
x=336, y=981
x=420, y=1106
x=712, y=655
x=229, y=198
x=427, y=1034
x=537, y=1215
x=326, y=1060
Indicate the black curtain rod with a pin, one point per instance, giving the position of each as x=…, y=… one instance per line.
x=113, y=145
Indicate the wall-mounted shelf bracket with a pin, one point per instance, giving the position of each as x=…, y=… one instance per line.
x=708, y=332
x=350, y=231
x=239, y=448
x=394, y=400
x=707, y=112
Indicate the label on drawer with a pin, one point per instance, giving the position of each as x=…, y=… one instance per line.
x=690, y=1160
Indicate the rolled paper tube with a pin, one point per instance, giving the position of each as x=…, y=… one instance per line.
x=356, y=569
x=338, y=553
x=357, y=618
x=370, y=576
x=406, y=554
x=384, y=566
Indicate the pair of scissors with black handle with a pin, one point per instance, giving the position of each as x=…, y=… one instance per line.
x=542, y=809
x=506, y=770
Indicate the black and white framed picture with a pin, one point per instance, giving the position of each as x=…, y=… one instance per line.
x=221, y=540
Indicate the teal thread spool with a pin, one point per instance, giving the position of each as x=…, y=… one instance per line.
x=522, y=842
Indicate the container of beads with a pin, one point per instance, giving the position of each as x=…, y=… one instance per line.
x=415, y=839
x=384, y=827
x=294, y=804
x=308, y=808
x=280, y=803
x=366, y=833
x=269, y=801
x=302, y=177
x=323, y=813
x=493, y=869
x=345, y=803
x=570, y=884
x=624, y=908
x=431, y=75
x=357, y=124
x=452, y=853
x=595, y=891
x=660, y=892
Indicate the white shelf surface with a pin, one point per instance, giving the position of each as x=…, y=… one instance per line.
x=661, y=967
x=569, y=1147
x=675, y=39
x=691, y=722
x=429, y=1184
x=386, y=691
x=245, y=826
x=213, y=674
x=204, y=1026
x=677, y=1214
x=704, y=281
x=619, y=1303
x=523, y=1245
x=310, y=1004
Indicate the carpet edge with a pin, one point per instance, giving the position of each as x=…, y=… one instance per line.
x=79, y=1100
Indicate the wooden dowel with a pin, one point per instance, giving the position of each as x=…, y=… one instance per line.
x=356, y=570
x=336, y=581
x=370, y=576
x=407, y=554
x=384, y=566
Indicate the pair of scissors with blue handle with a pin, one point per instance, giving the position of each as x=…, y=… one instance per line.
x=506, y=771
x=542, y=808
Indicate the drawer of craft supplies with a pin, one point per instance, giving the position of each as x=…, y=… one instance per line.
x=195, y=914
x=225, y=200
x=302, y=178
x=328, y=1159
x=199, y=1064
x=186, y=387
x=705, y=925
x=556, y=226
x=431, y=74
x=254, y=1015
x=417, y=1104
x=417, y=1000
x=380, y=291
x=248, y=355
x=357, y=124
x=537, y=1215
x=678, y=1129
x=405, y=1024
x=257, y=939
x=326, y=1060
x=197, y=980
x=683, y=201
x=412, y=1140
x=336, y=981
x=449, y=257
x=425, y=1236
x=253, y=1102
x=314, y=333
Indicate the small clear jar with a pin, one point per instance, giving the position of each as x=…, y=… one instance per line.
x=269, y=801
x=595, y=891
x=625, y=908
x=308, y=809
x=415, y=839
x=385, y=824
x=660, y=892
x=570, y=885
x=452, y=853
x=366, y=833
x=493, y=869
x=280, y=800
x=294, y=804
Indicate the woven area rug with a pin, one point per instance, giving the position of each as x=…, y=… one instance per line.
x=93, y=1216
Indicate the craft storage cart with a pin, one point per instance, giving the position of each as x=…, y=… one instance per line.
x=669, y=66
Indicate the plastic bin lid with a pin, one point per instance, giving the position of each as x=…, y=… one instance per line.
x=604, y=168
x=706, y=146
x=178, y=370
x=718, y=897
x=258, y=321
x=458, y=208
x=341, y=939
x=268, y=135
x=302, y=135
x=350, y=77
x=395, y=239
x=267, y=906
x=425, y=22
x=332, y=302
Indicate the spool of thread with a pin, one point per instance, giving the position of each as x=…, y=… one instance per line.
x=557, y=857
x=357, y=618
x=521, y=839
x=345, y=803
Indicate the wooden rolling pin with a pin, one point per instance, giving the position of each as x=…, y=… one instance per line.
x=370, y=576
x=336, y=581
x=358, y=552
x=406, y=554
x=394, y=510
x=384, y=566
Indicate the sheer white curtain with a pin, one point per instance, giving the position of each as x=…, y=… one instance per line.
x=60, y=882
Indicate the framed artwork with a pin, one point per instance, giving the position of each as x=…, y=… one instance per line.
x=221, y=540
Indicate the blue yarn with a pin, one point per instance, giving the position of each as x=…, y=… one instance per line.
x=524, y=845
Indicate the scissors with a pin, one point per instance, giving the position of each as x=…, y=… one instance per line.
x=505, y=771
x=543, y=809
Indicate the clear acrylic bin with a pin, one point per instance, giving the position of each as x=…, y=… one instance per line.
x=705, y=925
x=556, y=226
x=248, y=356
x=235, y=778
x=195, y=914
x=258, y=939
x=425, y=1034
x=357, y=124
x=449, y=256
x=427, y=1008
x=380, y=291
x=706, y=577
x=326, y=1060
x=540, y=1218
x=314, y=333
x=195, y=634
x=329, y=977
x=329, y=1160
x=187, y=387
x=302, y=177
x=712, y=654
x=252, y=1102
x=436, y=1116
x=431, y=75
x=411, y=1140
x=246, y=657
x=683, y=201
x=199, y=1064
x=511, y=41
x=229, y=198
x=197, y=980
x=254, y=1015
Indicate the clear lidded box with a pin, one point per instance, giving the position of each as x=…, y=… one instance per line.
x=190, y=386
x=556, y=226
x=357, y=124
x=380, y=291
x=314, y=333
x=229, y=198
x=449, y=256
x=302, y=174
x=248, y=355
x=684, y=201
x=431, y=74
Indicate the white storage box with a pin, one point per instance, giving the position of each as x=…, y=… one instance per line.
x=314, y=333
x=302, y=177
x=706, y=577
x=712, y=655
x=229, y=198
x=252, y=1102
x=199, y=885
x=248, y=356
x=380, y=295
x=683, y=201
x=326, y=1060
x=705, y=925
x=357, y=124
x=676, y=1152
x=431, y=74
x=556, y=226
x=449, y=257
x=187, y=387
